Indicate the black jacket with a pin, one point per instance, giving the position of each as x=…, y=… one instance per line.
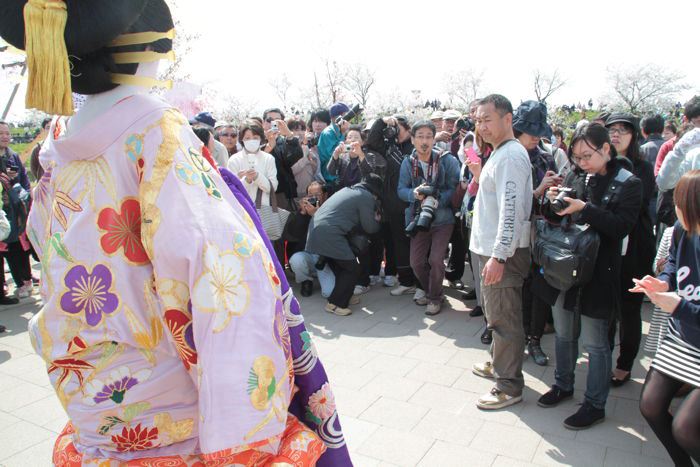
x=287, y=152
x=600, y=298
x=641, y=248
x=392, y=205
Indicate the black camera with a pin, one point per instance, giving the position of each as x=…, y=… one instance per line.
x=463, y=124
x=321, y=263
x=352, y=113
x=424, y=211
x=311, y=142
x=558, y=205
x=313, y=201
x=390, y=134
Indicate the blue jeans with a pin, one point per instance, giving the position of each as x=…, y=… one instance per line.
x=594, y=334
x=303, y=265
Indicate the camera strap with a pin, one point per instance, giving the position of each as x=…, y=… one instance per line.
x=432, y=166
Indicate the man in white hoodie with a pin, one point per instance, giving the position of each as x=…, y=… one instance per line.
x=500, y=240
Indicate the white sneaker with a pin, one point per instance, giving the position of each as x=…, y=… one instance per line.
x=497, y=399
x=390, y=281
x=485, y=370
x=419, y=295
x=359, y=290
x=402, y=290
x=374, y=280
x=24, y=292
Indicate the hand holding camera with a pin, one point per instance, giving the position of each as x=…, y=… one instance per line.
x=563, y=200
x=550, y=179
x=338, y=151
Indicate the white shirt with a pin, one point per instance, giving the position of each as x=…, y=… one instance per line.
x=264, y=164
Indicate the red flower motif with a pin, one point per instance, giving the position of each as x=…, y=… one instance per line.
x=180, y=326
x=135, y=439
x=123, y=230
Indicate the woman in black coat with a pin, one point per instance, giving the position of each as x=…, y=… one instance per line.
x=587, y=310
x=638, y=258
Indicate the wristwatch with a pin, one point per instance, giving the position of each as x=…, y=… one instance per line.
x=500, y=260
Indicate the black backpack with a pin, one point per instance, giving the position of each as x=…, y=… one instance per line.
x=567, y=252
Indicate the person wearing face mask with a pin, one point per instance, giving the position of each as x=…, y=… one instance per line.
x=254, y=167
x=584, y=312
x=529, y=127
x=639, y=249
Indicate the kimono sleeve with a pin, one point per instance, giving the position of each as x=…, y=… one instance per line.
x=220, y=295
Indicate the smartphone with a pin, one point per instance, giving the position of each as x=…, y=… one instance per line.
x=472, y=156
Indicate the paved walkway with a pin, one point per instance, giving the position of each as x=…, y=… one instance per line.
x=403, y=387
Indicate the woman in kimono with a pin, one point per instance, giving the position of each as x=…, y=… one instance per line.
x=169, y=332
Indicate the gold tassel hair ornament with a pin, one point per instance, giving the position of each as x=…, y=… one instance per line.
x=49, y=86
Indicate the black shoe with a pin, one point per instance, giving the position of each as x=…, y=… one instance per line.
x=586, y=417
x=476, y=311
x=470, y=295
x=554, y=396
x=535, y=351
x=307, y=288
x=487, y=337
x=616, y=383
x=8, y=301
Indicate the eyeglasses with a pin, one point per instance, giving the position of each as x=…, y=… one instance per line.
x=619, y=131
x=230, y=135
x=585, y=157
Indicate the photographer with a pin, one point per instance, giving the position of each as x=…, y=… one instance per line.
x=286, y=149
x=338, y=233
x=332, y=136
x=15, y=249
x=608, y=198
x=350, y=163
x=303, y=263
x=529, y=127
x=427, y=181
x=391, y=138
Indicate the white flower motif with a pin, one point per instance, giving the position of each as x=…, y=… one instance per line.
x=221, y=289
x=322, y=402
x=302, y=440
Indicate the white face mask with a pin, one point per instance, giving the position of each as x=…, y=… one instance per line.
x=252, y=145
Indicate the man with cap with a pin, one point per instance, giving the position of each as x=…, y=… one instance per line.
x=443, y=139
x=529, y=127
x=331, y=137
x=206, y=120
x=436, y=118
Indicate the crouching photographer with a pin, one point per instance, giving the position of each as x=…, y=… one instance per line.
x=599, y=193
x=427, y=181
x=338, y=234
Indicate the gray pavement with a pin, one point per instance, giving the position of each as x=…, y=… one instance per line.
x=403, y=387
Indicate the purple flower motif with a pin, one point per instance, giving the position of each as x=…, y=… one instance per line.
x=89, y=292
x=114, y=387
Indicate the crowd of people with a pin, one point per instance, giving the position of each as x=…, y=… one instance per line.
x=409, y=205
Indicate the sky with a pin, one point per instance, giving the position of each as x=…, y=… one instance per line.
x=411, y=45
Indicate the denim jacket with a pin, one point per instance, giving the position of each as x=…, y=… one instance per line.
x=446, y=181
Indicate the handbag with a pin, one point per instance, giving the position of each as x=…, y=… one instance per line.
x=273, y=219
x=566, y=252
